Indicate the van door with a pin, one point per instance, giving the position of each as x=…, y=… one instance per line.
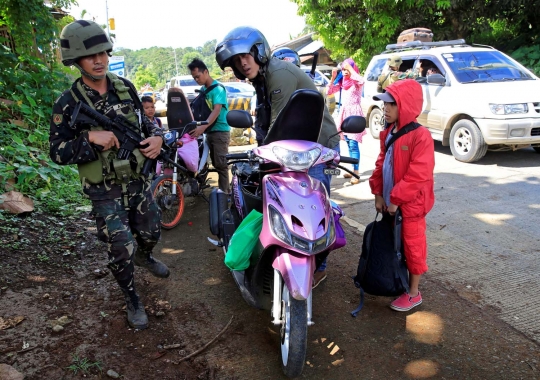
x=435, y=96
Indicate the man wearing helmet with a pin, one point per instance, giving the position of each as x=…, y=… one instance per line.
x=127, y=217
x=247, y=52
x=287, y=54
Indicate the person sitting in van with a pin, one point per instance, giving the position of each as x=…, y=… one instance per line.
x=392, y=74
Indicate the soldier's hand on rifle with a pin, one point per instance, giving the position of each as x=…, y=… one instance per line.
x=105, y=139
x=154, y=147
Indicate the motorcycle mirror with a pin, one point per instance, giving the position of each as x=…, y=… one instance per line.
x=354, y=124
x=239, y=119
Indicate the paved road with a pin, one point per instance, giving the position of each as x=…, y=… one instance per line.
x=483, y=231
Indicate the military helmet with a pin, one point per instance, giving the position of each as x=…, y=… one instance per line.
x=287, y=54
x=395, y=61
x=81, y=38
x=242, y=40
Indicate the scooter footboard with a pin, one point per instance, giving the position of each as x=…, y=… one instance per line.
x=297, y=272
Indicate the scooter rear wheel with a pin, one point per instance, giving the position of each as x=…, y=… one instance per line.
x=171, y=205
x=293, y=334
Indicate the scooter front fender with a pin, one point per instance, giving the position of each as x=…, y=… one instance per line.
x=297, y=272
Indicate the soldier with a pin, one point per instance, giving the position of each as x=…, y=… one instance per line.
x=393, y=74
x=127, y=217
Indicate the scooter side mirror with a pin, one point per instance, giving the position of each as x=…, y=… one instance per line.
x=239, y=119
x=354, y=124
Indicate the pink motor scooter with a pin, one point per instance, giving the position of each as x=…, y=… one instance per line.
x=300, y=223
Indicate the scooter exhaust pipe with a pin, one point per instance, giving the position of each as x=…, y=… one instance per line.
x=218, y=205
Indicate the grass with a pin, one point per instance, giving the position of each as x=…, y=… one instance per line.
x=83, y=365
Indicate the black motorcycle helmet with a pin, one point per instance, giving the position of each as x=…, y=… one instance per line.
x=242, y=40
x=287, y=54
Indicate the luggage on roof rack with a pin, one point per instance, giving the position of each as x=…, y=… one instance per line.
x=416, y=34
x=423, y=45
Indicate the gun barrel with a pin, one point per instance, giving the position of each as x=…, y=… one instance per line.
x=93, y=114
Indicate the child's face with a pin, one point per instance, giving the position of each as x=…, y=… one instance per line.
x=149, y=109
x=390, y=112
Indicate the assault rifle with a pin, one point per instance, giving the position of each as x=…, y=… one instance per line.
x=124, y=131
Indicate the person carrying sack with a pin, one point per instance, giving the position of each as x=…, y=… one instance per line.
x=403, y=177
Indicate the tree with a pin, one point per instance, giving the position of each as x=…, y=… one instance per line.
x=363, y=28
x=188, y=57
x=145, y=76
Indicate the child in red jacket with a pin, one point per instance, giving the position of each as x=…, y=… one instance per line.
x=403, y=177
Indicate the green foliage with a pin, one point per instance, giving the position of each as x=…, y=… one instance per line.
x=144, y=76
x=31, y=84
x=361, y=29
x=31, y=25
x=160, y=61
x=529, y=56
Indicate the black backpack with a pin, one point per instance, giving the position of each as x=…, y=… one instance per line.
x=382, y=270
x=200, y=108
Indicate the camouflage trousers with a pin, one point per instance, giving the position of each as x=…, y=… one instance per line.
x=128, y=229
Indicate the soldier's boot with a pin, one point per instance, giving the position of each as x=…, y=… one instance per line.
x=136, y=315
x=146, y=260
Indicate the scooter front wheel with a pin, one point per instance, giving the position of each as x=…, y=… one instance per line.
x=293, y=334
x=171, y=205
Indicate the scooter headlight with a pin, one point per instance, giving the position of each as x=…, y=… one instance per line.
x=296, y=160
x=282, y=232
x=278, y=226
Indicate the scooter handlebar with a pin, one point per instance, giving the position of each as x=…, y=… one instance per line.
x=348, y=160
x=236, y=156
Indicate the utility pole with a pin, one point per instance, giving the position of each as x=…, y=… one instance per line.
x=107, y=15
x=175, y=61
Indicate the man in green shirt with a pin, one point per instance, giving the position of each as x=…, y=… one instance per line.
x=217, y=130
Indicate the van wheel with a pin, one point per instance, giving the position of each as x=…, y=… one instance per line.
x=536, y=149
x=376, y=122
x=466, y=141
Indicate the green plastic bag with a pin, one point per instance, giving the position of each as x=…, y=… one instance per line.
x=243, y=241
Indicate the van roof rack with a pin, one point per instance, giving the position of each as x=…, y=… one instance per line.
x=412, y=45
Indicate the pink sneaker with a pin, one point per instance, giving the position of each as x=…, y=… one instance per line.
x=405, y=302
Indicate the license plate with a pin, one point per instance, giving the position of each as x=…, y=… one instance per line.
x=332, y=171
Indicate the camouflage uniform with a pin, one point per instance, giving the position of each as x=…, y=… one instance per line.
x=393, y=74
x=126, y=222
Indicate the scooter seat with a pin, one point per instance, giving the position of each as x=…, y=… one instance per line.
x=300, y=119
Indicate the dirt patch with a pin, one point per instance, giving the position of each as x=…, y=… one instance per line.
x=52, y=272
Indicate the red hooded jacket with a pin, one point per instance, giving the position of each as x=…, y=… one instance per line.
x=414, y=156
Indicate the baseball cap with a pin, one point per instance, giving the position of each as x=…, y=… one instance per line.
x=385, y=97
x=394, y=61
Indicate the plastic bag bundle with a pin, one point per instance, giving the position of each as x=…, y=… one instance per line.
x=189, y=152
x=244, y=241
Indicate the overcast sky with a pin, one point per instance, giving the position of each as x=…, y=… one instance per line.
x=180, y=23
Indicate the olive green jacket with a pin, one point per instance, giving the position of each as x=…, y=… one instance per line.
x=284, y=78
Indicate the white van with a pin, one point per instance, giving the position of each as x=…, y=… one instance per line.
x=187, y=84
x=482, y=99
